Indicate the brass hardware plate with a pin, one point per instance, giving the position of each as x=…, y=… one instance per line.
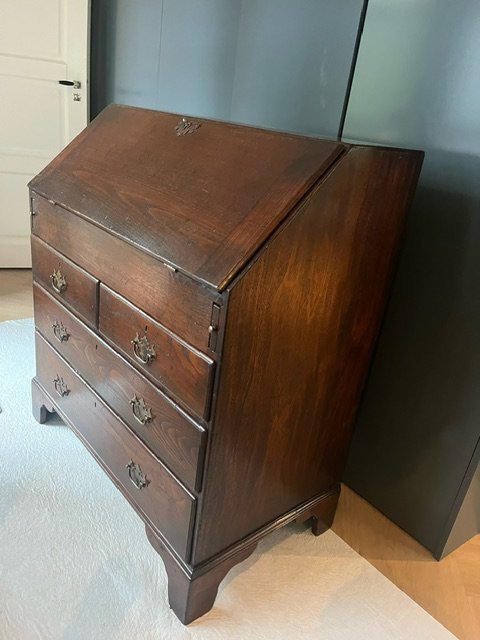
x=213, y=328
x=59, y=282
x=60, y=386
x=141, y=412
x=60, y=331
x=142, y=350
x=136, y=475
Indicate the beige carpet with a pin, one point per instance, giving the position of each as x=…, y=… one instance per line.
x=75, y=563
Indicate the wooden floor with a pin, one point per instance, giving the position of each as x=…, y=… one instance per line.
x=449, y=590
x=16, y=298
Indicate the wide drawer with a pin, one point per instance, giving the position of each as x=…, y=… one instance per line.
x=148, y=485
x=185, y=372
x=65, y=280
x=177, y=301
x=168, y=431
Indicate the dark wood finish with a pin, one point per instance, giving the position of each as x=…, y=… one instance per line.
x=192, y=590
x=258, y=264
x=191, y=594
x=300, y=331
x=171, y=434
x=42, y=406
x=322, y=513
x=177, y=302
x=81, y=289
x=320, y=507
x=225, y=186
x=163, y=503
x=183, y=371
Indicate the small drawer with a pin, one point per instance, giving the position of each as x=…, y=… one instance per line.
x=65, y=280
x=185, y=372
x=174, y=299
x=147, y=484
x=174, y=437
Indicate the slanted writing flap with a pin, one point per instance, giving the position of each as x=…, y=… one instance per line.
x=202, y=199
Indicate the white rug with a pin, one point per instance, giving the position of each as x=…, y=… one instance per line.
x=75, y=562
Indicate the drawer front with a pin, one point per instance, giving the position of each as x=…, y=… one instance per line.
x=171, y=435
x=147, y=484
x=65, y=280
x=185, y=372
x=177, y=301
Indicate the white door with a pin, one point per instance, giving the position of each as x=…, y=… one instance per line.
x=41, y=42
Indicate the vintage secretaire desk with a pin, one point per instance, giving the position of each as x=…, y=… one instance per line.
x=207, y=297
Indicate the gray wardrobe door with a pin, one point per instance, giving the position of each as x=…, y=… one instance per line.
x=272, y=63
x=416, y=449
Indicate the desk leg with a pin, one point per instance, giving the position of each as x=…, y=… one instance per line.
x=192, y=596
x=41, y=405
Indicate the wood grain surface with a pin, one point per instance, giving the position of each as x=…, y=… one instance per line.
x=202, y=202
x=453, y=601
x=81, y=287
x=449, y=590
x=186, y=374
x=173, y=299
x=16, y=299
x=301, y=327
x=295, y=239
x=176, y=439
x=164, y=503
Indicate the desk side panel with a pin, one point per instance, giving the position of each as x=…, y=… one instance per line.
x=301, y=327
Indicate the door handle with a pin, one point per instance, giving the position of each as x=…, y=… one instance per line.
x=76, y=84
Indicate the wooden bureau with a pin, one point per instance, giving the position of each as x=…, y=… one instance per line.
x=207, y=298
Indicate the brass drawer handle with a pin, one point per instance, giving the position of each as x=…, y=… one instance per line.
x=60, y=386
x=59, y=282
x=143, y=351
x=60, y=331
x=141, y=412
x=136, y=474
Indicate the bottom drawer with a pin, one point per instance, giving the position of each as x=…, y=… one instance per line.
x=147, y=484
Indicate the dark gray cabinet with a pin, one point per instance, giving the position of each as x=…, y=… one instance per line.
x=416, y=448
x=271, y=63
